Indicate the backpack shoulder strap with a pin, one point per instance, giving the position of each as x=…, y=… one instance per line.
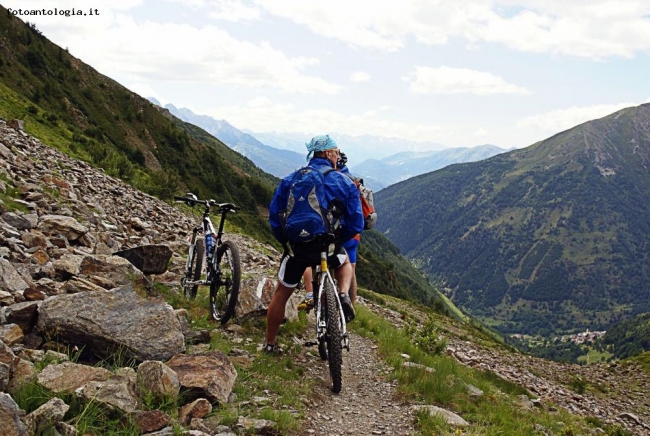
x=325, y=170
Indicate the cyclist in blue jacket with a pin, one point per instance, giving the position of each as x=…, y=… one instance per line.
x=297, y=257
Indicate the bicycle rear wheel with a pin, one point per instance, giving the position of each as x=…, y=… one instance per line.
x=333, y=341
x=322, y=342
x=224, y=289
x=194, y=274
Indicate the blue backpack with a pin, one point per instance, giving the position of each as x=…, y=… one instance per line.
x=307, y=214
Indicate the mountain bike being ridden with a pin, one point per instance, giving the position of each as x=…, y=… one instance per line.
x=223, y=269
x=298, y=256
x=331, y=328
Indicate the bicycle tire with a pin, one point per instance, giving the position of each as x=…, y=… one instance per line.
x=322, y=345
x=196, y=265
x=224, y=289
x=333, y=341
x=322, y=341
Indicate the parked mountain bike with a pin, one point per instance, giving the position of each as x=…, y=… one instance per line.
x=223, y=270
x=331, y=329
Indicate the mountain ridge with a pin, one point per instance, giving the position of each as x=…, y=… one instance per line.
x=549, y=237
x=380, y=173
x=272, y=160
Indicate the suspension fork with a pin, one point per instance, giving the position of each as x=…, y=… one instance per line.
x=190, y=254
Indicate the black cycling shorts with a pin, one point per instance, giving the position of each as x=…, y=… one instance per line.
x=293, y=265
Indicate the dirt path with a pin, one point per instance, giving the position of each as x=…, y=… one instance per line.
x=367, y=404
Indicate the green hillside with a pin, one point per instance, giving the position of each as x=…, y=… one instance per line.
x=69, y=105
x=381, y=266
x=629, y=338
x=547, y=239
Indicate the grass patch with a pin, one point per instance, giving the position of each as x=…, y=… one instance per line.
x=497, y=412
x=281, y=380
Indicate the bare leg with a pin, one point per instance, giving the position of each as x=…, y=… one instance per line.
x=353, y=287
x=275, y=311
x=307, y=281
x=344, y=275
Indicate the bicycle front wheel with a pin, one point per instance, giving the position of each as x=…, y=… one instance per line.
x=194, y=272
x=333, y=340
x=224, y=289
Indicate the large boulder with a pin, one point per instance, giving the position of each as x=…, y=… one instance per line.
x=103, y=323
x=150, y=259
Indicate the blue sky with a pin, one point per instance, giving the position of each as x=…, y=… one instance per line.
x=508, y=73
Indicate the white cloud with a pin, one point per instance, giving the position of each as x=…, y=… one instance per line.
x=362, y=23
x=563, y=119
x=360, y=76
x=446, y=80
x=180, y=52
x=263, y=115
x=230, y=10
x=593, y=29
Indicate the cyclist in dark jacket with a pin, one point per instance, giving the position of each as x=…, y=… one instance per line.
x=297, y=257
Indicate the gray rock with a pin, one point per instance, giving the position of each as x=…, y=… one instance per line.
x=10, y=414
x=450, y=417
x=114, y=393
x=46, y=416
x=22, y=314
x=20, y=222
x=10, y=280
x=68, y=376
x=210, y=374
x=158, y=379
x=63, y=225
x=150, y=259
x=105, y=322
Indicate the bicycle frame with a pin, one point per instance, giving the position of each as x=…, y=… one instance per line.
x=322, y=274
x=222, y=261
x=207, y=228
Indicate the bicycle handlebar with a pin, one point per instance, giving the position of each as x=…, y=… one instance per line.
x=192, y=201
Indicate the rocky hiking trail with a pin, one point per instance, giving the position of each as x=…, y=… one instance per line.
x=59, y=256
x=368, y=403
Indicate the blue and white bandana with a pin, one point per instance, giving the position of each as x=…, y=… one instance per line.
x=320, y=143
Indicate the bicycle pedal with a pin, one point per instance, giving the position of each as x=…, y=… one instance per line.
x=310, y=343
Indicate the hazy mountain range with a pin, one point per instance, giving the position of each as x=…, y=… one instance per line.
x=270, y=159
x=280, y=153
x=379, y=173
